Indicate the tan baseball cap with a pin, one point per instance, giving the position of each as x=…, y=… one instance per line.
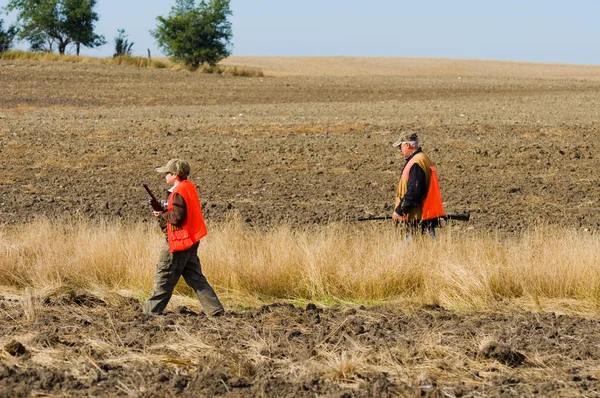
x=406, y=136
x=176, y=166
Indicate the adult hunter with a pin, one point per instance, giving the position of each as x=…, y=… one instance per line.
x=183, y=224
x=418, y=199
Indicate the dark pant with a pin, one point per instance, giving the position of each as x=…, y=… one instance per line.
x=168, y=270
x=415, y=228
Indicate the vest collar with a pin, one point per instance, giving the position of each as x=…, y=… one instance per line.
x=413, y=154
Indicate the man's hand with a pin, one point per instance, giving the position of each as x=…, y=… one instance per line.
x=158, y=213
x=396, y=217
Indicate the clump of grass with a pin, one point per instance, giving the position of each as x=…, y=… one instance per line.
x=344, y=366
x=128, y=60
x=160, y=64
x=242, y=71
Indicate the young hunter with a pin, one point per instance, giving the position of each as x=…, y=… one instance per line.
x=184, y=226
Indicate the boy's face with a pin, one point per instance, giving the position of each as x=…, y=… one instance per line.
x=171, y=178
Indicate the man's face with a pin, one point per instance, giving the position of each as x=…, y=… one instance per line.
x=405, y=149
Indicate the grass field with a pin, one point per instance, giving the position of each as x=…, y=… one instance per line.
x=326, y=264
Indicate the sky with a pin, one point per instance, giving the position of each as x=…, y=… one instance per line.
x=514, y=30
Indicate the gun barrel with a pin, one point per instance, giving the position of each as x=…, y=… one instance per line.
x=153, y=201
x=458, y=217
x=149, y=192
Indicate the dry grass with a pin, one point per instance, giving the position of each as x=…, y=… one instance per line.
x=125, y=60
x=50, y=253
x=140, y=62
x=338, y=262
x=344, y=366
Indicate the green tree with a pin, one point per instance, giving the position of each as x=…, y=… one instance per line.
x=6, y=37
x=122, y=45
x=183, y=6
x=49, y=23
x=195, y=34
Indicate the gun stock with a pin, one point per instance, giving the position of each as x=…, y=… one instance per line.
x=153, y=201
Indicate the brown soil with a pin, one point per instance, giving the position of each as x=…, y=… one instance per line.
x=81, y=139
x=90, y=347
x=512, y=145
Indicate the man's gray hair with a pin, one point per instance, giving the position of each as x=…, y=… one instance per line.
x=413, y=144
x=407, y=136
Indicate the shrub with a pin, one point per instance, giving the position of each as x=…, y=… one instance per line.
x=122, y=45
x=6, y=37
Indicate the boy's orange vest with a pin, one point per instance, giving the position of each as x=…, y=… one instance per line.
x=193, y=228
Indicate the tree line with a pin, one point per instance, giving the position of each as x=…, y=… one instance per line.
x=192, y=33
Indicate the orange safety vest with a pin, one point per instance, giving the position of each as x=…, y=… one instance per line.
x=432, y=204
x=193, y=228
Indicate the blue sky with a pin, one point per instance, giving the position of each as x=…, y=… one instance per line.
x=518, y=30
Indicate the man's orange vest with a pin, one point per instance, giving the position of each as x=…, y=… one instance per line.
x=432, y=204
x=193, y=229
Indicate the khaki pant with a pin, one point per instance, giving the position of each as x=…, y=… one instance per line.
x=168, y=270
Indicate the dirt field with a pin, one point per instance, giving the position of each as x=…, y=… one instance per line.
x=513, y=143
x=71, y=343
x=81, y=139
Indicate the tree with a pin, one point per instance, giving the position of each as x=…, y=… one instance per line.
x=46, y=23
x=122, y=45
x=6, y=37
x=195, y=34
x=183, y=6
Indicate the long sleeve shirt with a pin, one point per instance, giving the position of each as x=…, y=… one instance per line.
x=177, y=215
x=416, y=189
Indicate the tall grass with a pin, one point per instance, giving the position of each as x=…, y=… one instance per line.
x=336, y=262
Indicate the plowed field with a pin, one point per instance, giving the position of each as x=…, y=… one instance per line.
x=82, y=138
x=76, y=344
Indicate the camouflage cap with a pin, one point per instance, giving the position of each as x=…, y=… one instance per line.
x=176, y=166
x=406, y=136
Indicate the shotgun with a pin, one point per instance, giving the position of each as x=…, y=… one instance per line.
x=457, y=217
x=153, y=201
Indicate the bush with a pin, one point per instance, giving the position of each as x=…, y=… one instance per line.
x=243, y=71
x=122, y=45
x=6, y=37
